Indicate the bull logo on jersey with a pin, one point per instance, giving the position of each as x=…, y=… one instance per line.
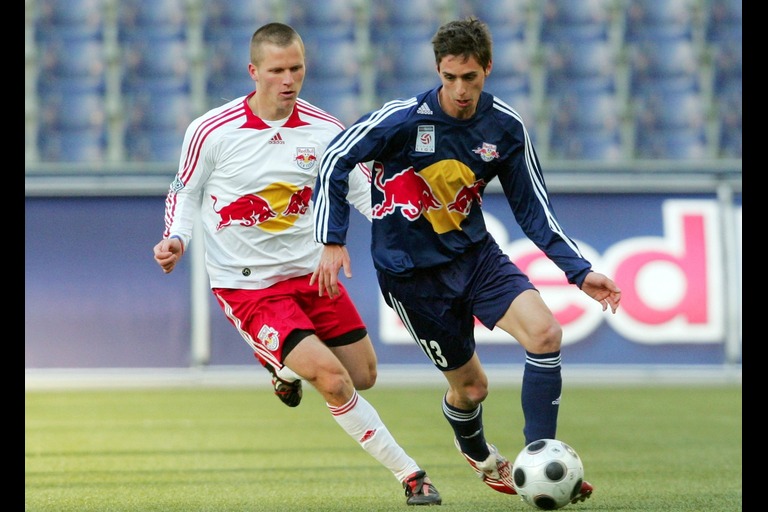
x=424, y=193
x=269, y=337
x=487, y=152
x=275, y=208
x=246, y=211
x=305, y=157
x=405, y=190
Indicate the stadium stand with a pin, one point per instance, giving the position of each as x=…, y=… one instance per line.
x=97, y=59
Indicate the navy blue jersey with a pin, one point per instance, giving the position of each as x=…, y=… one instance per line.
x=429, y=174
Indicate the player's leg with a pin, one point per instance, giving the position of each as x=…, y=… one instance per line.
x=359, y=358
x=343, y=334
x=442, y=324
x=534, y=326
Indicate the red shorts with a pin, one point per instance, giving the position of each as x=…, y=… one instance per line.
x=266, y=318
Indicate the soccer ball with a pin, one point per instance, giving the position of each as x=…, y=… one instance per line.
x=547, y=474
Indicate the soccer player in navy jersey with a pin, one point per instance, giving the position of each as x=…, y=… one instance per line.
x=437, y=265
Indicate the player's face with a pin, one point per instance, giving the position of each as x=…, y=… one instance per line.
x=279, y=77
x=463, y=81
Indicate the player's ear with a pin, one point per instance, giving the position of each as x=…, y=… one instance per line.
x=488, y=68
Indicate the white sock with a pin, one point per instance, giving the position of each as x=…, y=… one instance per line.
x=360, y=420
x=287, y=374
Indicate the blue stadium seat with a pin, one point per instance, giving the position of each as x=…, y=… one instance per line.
x=69, y=18
x=223, y=17
x=582, y=64
x=157, y=109
x=156, y=124
x=155, y=61
x=404, y=67
x=333, y=18
x=724, y=21
x=331, y=56
x=72, y=64
x=72, y=110
x=154, y=146
x=166, y=17
x=727, y=65
x=664, y=62
x=659, y=18
x=512, y=57
x=585, y=125
x=672, y=144
x=729, y=116
x=575, y=19
x=84, y=145
x=506, y=18
x=670, y=123
x=226, y=66
x=409, y=19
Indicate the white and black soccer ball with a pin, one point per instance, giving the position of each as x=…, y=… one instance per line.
x=548, y=474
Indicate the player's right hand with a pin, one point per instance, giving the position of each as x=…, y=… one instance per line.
x=326, y=274
x=167, y=253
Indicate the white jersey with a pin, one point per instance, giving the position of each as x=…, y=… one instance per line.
x=251, y=181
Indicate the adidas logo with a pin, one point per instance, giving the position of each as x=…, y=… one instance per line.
x=424, y=109
x=277, y=139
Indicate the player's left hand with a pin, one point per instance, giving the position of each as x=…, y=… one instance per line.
x=603, y=290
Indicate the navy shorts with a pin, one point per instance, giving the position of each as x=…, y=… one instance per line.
x=438, y=305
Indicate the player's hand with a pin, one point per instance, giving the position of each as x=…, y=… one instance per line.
x=326, y=274
x=167, y=253
x=603, y=290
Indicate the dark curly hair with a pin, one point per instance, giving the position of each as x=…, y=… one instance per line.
x=467, y=37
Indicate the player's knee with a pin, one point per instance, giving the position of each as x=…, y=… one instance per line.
x=365, y=380
x=547, y=339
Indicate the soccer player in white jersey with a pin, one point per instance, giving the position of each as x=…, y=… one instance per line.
x=248, y=168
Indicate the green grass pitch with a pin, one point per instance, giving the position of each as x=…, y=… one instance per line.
x=654, y=448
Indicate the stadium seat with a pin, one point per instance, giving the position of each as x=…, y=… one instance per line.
x=69, y=18
x=409, y=19
x=659, y=19
x=72, y=110
x=404, y=67
x=73, y=64
x=223, y=17
x=512, y=58
x=575, y=19
x=154, y=146
x=155, y=61
x=585, y=124
x=159, y=110
x=582, y=64
x=664, y=62
x=506, y=18
x=335, y=18
x=670, y=123
x=724, y=21
x=727, y=66
x=672, y=144
x=331, y=56
x=729, y=118
x=83, y=145
x=166, y=17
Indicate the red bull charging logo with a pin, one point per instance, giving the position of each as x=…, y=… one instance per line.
x=442, y=193
x=273, y=209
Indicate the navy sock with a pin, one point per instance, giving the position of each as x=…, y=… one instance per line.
x=468, y=428
x=540, y=395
